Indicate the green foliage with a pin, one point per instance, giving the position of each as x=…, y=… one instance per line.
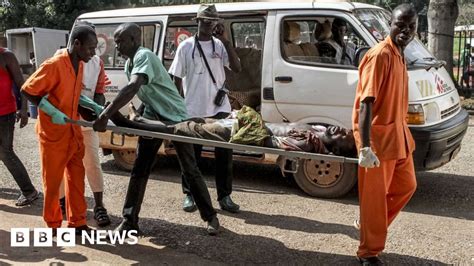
x=53, y=14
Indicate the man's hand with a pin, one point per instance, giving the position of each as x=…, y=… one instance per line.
x=100, y=124
x=57, y=116
x=219, y=33
x=22, y=116
x=367, y=158
x=89, y=103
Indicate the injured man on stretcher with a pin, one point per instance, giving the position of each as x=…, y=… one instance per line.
x=246, y=127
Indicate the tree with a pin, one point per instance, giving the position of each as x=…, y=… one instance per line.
x=442, y=15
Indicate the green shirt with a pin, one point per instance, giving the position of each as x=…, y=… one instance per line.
x=160, y=96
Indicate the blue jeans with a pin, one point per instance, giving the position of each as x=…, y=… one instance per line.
x=8, y=156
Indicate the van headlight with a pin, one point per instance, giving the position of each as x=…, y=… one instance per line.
x=416, y=114
x=432, y=113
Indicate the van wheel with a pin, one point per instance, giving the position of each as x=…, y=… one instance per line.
x=124, y=159
x=325, y=179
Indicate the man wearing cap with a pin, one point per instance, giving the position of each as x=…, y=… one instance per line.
x=198, y=70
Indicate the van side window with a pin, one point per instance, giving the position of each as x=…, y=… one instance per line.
x=328, y=40
x=174, y=36
x=248, y=34
x=106, y=45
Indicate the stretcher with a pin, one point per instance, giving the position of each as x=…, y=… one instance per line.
x=295, y=155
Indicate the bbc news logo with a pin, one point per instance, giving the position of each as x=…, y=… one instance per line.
x=66, y=237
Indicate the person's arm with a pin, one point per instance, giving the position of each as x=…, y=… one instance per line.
x=13, y=68
x=234, y=62
x=365, y=120
x=124, y=96
x=178, y=69
x=178, y=82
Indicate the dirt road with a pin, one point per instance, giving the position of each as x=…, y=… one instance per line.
x=278, y=224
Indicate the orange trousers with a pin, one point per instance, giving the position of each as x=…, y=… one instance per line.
x=63, y=161
x=383, y=192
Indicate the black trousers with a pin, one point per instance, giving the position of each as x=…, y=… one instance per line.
x=146, y=153
x=8, y=156
x=224, y=170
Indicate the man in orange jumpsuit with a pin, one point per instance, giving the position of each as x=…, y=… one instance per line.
x=56, y=88
x=381, y=133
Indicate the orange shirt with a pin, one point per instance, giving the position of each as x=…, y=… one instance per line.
x=383, y=76
x=57, y=79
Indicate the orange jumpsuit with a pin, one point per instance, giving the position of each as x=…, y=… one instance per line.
x=61, y=146
x=384, y=190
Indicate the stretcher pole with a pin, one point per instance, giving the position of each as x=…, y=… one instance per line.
x=220, y=144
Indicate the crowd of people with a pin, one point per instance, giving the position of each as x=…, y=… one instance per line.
x=70, y=85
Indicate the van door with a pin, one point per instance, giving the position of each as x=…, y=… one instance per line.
x=314, y=75
x=152, y=36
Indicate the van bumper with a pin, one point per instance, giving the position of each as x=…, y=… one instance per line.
x=439, y=144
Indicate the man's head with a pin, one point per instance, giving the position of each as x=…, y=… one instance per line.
x=339, y=29
x=83, y=42
x=467, y=46
x=127, y=39
x=403, y=25
x=339, y=141
x=207, y=19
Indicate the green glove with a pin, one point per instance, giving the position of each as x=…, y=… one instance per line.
x=57, y=116
x=87, y=102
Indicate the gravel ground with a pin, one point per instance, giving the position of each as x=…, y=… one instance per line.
x=278, y=223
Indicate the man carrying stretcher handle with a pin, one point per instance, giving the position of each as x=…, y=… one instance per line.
x=149, y=80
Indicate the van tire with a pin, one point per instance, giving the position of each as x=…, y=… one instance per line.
x=124, y=159
x=325, y=179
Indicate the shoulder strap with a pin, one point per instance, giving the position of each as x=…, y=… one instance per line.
x=204, y=56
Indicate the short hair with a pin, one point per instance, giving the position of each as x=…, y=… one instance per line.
x=130, y=29
x=86, y=23
x=338, y=22
x=407, y=8
x=82, y=33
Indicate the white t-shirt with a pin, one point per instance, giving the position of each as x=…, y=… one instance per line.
x=91, y=71
x=199, y=90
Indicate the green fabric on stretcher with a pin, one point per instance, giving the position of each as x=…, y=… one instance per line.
x=251, y=129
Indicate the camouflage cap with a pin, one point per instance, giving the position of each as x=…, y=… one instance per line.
x=207, y=12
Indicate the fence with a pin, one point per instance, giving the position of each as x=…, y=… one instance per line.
x=463, y=60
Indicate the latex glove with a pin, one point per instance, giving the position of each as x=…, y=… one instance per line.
x=87, y=102
x=367, y=158
x=57, y=116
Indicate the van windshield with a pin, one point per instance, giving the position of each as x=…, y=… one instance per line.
x=376, y=21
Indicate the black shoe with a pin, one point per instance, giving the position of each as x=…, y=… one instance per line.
x=26, y=200
x=125, y=226
x=227, y=204
x=213, y=226
x=370, y=261
x=188, y=204
x=62, y=205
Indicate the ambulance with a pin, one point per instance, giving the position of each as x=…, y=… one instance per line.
x=288, y=76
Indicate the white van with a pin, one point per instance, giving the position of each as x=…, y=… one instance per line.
x=290, y=75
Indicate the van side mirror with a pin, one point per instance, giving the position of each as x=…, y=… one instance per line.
x=360, y=54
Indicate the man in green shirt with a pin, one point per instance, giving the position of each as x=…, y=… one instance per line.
x=149, y=80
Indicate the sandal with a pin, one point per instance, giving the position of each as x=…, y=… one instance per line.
x=100, y=215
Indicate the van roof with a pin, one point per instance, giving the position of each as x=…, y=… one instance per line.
x=224, y=7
